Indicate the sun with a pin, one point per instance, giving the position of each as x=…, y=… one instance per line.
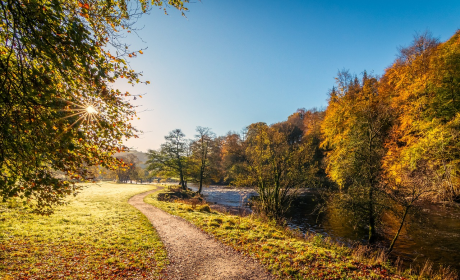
x=86, y=113
x=90, y=109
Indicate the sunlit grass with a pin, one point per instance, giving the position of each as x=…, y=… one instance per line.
x=285, y=253
x=97, y=235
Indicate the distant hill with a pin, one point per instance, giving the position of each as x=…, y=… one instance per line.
x=143, y=157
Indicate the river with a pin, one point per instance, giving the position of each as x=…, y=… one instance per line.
x=433, y=234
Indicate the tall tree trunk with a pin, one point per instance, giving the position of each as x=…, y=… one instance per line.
x=399, y=229
x=371, y=217
x=201, y=179
x=182, y=182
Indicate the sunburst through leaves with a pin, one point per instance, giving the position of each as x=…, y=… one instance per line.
x=86, y=112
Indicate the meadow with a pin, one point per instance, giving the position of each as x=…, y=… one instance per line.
x=97, y=235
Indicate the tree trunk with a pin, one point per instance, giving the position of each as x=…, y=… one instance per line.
x=399, y=229
x=182, y=182
x=371, y=218
x=201, y=180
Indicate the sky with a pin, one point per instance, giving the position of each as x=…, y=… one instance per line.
x=232, y=63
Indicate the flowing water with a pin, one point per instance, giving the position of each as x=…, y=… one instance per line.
x=433, y=234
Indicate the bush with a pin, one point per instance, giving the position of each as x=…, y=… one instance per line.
x=204, y=208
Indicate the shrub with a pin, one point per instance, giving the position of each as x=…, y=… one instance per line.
x=204, y=208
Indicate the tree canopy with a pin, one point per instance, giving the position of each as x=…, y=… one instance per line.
x=59, y=110
x=172, y=158
x=424, y=86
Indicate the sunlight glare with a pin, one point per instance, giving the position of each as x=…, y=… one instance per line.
x=90, y=109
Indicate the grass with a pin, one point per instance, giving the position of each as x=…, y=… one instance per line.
x=98, y=235
x=286, y=254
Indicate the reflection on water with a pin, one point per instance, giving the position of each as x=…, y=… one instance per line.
x=434, y=234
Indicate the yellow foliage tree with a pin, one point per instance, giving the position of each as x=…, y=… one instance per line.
x=424, y=85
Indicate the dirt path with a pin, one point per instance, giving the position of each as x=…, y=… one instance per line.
x=194, y=254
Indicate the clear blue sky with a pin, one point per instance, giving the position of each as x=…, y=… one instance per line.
x=233, y=63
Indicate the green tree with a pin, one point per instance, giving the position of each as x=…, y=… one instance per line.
x=172, y=158
x=58, y=58
x=142, y=175
x=202, y=149
x=275, y=167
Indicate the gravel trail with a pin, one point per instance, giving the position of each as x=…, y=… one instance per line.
x=194, y=254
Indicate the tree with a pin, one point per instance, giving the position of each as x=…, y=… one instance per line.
x=416, y=185
x=58, y=61
x=201, y=149
x=172, y=157
x=233, y=156
x=107, y=174
x=355, y=128
x=422, y=158
x=129, y=170
x=142, y=175
x=424, y=86
x=312, y=138
x=275, y=167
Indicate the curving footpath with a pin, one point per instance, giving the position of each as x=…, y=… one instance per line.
x=194, y=254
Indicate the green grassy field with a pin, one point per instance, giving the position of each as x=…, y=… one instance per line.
x=285, y=253
x=98, y=235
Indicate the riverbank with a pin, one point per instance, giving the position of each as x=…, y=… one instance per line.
x=430, y=235
x=98, y=235
x=285, y=253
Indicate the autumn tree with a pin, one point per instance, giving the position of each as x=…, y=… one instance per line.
x=233, y=156
x=312, y=138
x=422, y=159
x=107, y=174
x=275, y=166
x=172, y=158
x=59, y=111
x=129, y=169
x=355, y=128
x=424, y=85
x=405, y=193
x=216, y=167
